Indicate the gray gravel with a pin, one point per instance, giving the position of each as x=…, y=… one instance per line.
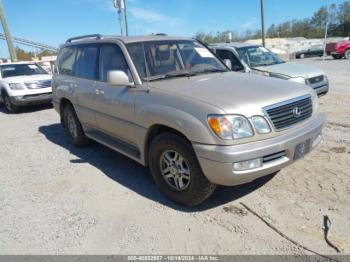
x=58, y=199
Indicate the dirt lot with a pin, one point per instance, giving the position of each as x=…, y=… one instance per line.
x=58, y=199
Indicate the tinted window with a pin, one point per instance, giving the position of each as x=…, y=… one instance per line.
x=256, y=56
x=156, y=60
x=86, y=62
x=21, y=70
x=226, y=54
x=66, y=61
x=112, y=58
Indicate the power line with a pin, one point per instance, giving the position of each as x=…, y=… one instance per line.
x=31, y=43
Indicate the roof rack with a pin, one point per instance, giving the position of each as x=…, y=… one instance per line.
x=160, y=34
x=96, y=36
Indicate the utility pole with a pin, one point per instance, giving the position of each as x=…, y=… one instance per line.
x=126, y=19
x=262, y=22
x=7, y=33
x=118, y=4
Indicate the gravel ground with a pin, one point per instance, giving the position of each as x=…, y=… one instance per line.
x=58, y=199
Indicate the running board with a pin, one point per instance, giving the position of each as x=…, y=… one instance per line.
x=114, y=143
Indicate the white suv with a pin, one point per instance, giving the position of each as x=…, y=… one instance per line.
x=24, y=83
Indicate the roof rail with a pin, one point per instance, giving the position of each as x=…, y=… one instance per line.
x=96, y=36
x=160, y=34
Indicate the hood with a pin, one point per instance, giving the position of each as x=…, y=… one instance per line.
x=30, y=78
x=292, y=70
x=234, y=93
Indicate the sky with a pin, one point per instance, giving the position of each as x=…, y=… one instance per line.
x=53, y=21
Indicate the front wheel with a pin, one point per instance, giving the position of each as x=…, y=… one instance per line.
x=302, y=56
x=10, y=107
x=73, y=127
x=347, y=54
x=176, y=170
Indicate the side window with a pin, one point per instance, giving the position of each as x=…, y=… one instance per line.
x=226, y=54
x=66, y=61
x=86, y=62
x=112, y=58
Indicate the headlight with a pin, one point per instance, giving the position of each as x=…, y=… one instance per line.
x=16, y=86
x=230, y=127
x=261, y=125
x=300, y=80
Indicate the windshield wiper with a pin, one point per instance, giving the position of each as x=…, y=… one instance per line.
x=170, y=75
x=211, y=70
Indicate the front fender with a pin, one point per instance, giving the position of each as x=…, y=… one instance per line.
x=189, y=125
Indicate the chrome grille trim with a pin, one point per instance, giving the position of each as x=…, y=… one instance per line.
x=38, y=84
x=281, y=114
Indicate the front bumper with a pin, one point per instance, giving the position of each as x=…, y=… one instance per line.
x=31, y=99
x=217, y=161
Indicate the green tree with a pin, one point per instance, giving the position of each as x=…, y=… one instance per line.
x=23, y=55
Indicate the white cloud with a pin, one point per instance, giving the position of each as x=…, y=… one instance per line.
x=148, y=15
x=251, y=23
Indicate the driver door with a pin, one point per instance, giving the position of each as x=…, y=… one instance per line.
x=114, y=105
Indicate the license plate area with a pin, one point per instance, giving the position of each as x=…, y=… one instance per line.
x=302, y=149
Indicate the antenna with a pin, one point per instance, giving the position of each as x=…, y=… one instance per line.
x=119, y=5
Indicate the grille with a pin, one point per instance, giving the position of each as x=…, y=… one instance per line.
x=286, y=114
x=274, y=156
x=316, y=79
x=38, y=84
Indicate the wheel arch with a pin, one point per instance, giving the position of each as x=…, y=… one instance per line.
x=156, y=130
x=63, y=103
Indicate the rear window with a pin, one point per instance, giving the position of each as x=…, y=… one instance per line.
x=21, y=70
x=66, y=61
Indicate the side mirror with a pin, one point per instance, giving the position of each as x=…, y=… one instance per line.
x=228, y=63
x=118, y=78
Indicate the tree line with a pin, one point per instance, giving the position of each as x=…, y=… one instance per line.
x=337, y=16
x=23, y=55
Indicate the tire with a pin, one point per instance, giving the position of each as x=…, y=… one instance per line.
x=336, y=56
x=73, y=127
x=347, y=54
x=196, y=188
x=302, y=56
x=10, y=107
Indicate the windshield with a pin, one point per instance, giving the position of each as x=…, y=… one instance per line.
x=256, y=56
x=21, y=70
x=158, y=60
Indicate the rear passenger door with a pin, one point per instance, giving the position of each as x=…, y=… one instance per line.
x=114, y=104
x=85, y=72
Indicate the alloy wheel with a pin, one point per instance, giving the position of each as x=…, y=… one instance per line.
x=175, y=170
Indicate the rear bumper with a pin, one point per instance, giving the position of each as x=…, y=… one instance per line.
x=217, y=161
x=333, y=53
x=31, y=99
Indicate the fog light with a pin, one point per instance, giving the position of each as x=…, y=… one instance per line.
x=248, y=164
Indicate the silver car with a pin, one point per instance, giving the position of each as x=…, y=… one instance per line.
x=169, y=103
x=260, y=60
